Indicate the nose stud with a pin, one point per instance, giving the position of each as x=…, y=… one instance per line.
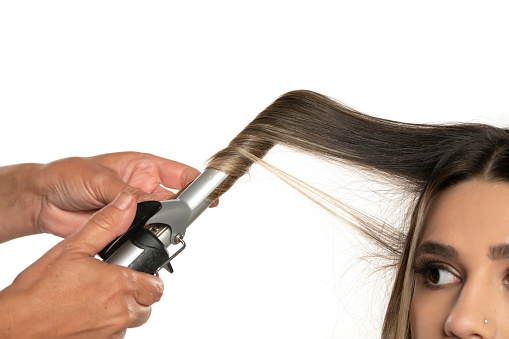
x=485, y=321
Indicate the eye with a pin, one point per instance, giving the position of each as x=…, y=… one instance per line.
x=439, y=276
x=435, y=274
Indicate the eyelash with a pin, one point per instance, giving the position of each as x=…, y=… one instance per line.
x=424, y=265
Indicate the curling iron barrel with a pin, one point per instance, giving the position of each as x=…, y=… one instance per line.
x=157, y=225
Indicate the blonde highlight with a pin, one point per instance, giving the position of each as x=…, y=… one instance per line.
x=420, y=159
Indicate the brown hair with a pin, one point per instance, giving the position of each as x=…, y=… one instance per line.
x=423, y=159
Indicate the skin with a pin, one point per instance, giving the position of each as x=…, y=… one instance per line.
x=68, y=293
x=59, y=197
x=453, y=299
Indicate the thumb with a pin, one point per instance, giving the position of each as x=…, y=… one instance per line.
x=105, y=225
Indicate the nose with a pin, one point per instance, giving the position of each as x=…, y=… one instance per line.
x=473, y=315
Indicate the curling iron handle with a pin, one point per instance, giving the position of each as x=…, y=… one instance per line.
x=138, y=248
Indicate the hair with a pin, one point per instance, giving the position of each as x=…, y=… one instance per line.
x=423, y=159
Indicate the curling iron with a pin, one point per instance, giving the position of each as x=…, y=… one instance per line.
x=158, y=225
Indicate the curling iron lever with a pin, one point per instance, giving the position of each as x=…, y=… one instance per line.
x=158, y=225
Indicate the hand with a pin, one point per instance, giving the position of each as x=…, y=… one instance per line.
x=73, y=189
x=69, y=293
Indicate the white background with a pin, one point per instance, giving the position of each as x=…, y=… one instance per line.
x=181, y=78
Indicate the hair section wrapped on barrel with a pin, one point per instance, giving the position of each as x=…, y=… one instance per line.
x=321, y=126
x=422, y=159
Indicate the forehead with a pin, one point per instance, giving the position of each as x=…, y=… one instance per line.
x=473, y=213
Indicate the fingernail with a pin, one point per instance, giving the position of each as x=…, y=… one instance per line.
x=123, y=200
x=215, y=203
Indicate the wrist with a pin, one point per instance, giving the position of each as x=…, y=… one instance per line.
x=9, y=315
x=20, y=201
x=18, y=315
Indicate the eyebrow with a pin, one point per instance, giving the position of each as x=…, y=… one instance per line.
x=435, y=248
x=497, y=252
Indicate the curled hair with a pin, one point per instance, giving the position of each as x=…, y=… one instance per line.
x=423, y=159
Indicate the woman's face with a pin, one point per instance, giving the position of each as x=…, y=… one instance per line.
x=462, y=265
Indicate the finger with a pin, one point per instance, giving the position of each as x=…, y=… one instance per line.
x=159, y=193
x=114, y=186
x=121, y=334
x=139, y=315
x=149, y=289
x=104, y=226
x=174, y=174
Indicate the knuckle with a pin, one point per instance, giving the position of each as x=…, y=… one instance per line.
x=102, y=178
x=158, y=290
x=145, y=165
x=103, y=219
x=144, y=156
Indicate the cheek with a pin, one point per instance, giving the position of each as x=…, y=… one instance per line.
x=428, y=314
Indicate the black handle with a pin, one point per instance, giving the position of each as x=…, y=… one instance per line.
x=154, y=254
x=145, y=211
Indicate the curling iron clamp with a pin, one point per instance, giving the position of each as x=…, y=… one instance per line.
x=158, y=225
